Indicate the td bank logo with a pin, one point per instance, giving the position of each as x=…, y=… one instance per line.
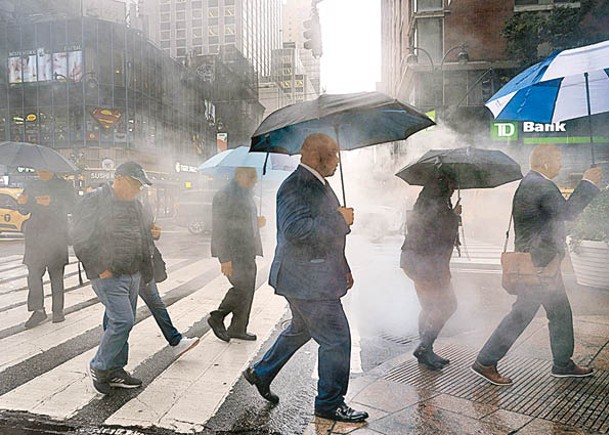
x=502, y=130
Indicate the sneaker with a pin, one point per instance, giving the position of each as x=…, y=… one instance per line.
x=572, y=370
x=58, y=317
x=36, y=318
x=121, y=379
x=490, y=374
x=184, y=346
x=100, y=384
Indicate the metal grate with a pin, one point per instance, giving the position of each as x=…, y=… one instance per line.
x=399, y=339
x=582, y=403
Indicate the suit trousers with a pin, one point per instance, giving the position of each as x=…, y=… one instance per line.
x=438, y=304
x=238, y=300
x=35, y=297
x=558, y=311
x=326, y=323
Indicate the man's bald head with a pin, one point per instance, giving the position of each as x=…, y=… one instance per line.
x=320, y=152
x=546, y=159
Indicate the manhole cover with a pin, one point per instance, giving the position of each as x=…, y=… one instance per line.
x=581, y=403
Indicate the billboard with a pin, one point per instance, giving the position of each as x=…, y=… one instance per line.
x=42, y=65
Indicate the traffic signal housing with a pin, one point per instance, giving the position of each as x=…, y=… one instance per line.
x=312, y=35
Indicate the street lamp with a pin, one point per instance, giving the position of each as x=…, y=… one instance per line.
x=413, y=58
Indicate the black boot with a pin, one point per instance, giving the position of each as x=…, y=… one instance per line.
x=439, y=359
x=425, y=357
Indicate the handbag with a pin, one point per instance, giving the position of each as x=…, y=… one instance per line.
x=159, y=268
x=520, y=276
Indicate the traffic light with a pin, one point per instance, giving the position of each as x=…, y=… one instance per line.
x=312, y=35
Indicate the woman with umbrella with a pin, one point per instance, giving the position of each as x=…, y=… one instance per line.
x=432, y=234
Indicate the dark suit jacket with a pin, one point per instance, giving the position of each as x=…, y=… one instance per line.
x=540, y=210
x=235, y=232
x=310, y=258
x=46, y=231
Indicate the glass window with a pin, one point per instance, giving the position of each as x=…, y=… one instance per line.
x=213, y=49
x=181, y=25
x=165, y=44
x=165, y=8
x=229, y=29
x=197, y=23
x=165, y=26
x=180, y=33
x=165, y=17
x=165, y=35
x=212, y=21
x=181, y=52
x=213, y=2
x=229, y=2
x=197, y=5
x=214, y=40
x=212, y=12
x=181, y=7
x=427, y=5
x=197, y=50
x=197, y=33
x=229, y=38
x=180, y=42
x=212, y=31
x=181, y=16
x=197, y=41
x=229, y=11
x=428, y=35
x=197, y=13
x=229, y=20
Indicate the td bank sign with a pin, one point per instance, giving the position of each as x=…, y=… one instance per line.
x=509, y=130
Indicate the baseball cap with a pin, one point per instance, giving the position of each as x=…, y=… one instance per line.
x=133, y=170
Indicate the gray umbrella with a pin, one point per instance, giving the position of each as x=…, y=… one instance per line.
x=39, y=157
x=472, y=168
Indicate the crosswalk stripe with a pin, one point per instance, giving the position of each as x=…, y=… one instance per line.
x=30, y=342
x=199, y=382
x=61, y=392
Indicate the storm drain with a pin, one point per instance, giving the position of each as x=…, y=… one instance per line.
x=583, y=403
x=399, y=339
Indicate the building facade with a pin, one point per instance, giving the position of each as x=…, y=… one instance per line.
x=185, y=28
x=100, y=93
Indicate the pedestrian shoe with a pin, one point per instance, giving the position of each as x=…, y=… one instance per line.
x=36, y=318
x=121, y=379
x=344, y=413
x=100, y=384
x=184, y=346
x=441, y=360
x=572, y=370
x=425, y=357
x=217, y=326
x=58, y=317
x=490, y=374
x=265, y=390
x=242, y=336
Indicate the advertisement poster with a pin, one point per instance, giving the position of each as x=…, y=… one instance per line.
x=14, y=69
x=75, y=65
x=28, y=65
x=60, y=63
x=45, y=65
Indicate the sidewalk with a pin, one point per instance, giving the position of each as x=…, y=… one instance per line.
x=403, y=398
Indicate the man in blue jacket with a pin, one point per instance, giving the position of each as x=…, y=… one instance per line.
x=311, y=271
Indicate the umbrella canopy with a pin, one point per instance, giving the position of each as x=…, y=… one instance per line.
x=224, y=163
x=355, y=120
x=566, y=85
x=39, y=157
x=472, y=168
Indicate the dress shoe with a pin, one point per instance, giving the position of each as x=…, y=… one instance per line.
x=490, y=374
x=439, y=359
x=217, y=326
x=265, y=390
x=242, y=336
x=425, y=357
x=36, y=318
x=58, y=317
x=344, y=413
x=572, y=370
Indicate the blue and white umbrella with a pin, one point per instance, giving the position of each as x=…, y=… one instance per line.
x=568, y=84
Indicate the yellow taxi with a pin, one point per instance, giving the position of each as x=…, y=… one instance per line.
x=11, y=219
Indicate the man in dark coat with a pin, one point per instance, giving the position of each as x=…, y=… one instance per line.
x=311, y=271
x=539, y=212
x=235, y=241
x=49, y=200
x=110, y=237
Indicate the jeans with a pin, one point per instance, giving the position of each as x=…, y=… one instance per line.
x=118, y=294
x=239, y=298
x=150, y=295
x=558, y=312
x=35, y=297
x=326, y=323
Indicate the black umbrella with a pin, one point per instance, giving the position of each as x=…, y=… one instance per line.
x=39, y=157
x=354, y=120
x=472, y=168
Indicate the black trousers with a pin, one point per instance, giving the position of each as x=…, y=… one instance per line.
x=558, y=311
x=35, y=297
x=238, y=300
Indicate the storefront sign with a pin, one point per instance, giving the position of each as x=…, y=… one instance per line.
x=106, y=117
x=184, y=168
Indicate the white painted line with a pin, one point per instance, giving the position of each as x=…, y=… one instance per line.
x=186, y=395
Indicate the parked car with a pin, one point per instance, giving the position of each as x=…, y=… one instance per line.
x=193, y=210
x=12, y=220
